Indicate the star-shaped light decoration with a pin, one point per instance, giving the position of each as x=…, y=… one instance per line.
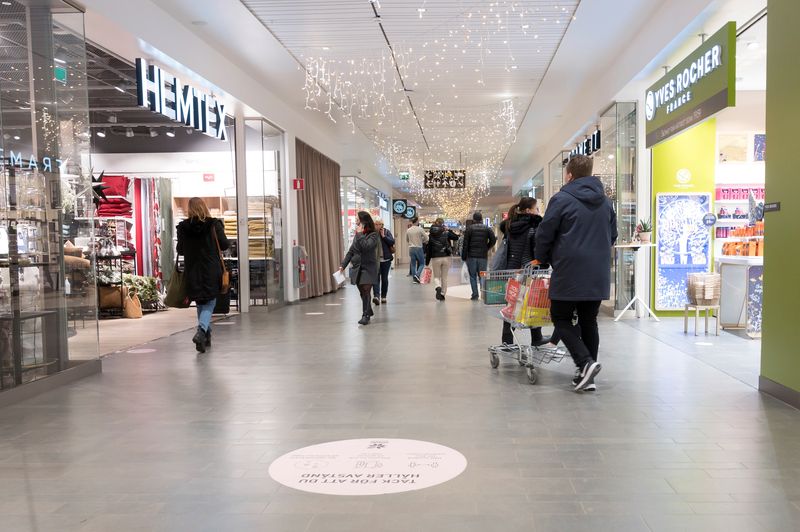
x=99, y=189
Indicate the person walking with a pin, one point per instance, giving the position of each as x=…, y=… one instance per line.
x=201, y=239
x=520, y=230
x=381, y=287
x=439, y=255
x=478, y=240
x=365, y=254
x=576, y=237
x=417, y=238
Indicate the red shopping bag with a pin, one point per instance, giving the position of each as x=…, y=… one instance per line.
x=513, y=288
x=427, y=274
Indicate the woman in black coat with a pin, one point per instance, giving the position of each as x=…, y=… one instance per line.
x=365, y=255
x=200, y=239
x=521, y=233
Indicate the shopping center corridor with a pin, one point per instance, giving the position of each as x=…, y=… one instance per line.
x=169, y=440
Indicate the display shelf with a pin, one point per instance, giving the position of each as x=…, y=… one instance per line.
x=745, y=201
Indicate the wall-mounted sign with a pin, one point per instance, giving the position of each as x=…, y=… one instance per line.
x=701, y=85
x=368, y=466
x=47, y=164
x=60, y=74
x=772, y=207
x=411, y=212
x=164, y=94
x=445, y=178
x=405, y=175
x=399, y=206
x=298, y=184
x=383, y=203
x=208, y=178
x=709, y=219
x=588, y=146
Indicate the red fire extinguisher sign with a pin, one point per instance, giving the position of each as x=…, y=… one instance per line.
x=299, y=184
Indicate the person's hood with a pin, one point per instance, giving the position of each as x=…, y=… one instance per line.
x=437, y=230
x=523, y=223
x=588, y=190
x=194, y=226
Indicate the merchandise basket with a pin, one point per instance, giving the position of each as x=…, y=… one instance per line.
x=520, y=298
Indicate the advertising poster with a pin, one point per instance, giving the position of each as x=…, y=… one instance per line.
x=683, y=245
x=755, y=296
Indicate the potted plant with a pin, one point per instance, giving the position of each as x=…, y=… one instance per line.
x=644, y=231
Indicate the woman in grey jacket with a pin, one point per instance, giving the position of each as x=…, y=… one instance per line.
x=365, y=255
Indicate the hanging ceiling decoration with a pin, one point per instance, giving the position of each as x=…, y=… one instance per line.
x=434, y=85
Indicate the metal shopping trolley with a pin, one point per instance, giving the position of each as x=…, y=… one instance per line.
x=520, y=298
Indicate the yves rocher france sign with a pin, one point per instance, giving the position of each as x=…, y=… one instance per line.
x=698, y=87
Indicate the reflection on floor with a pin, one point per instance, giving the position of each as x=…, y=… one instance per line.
x=174, y=441
x=119, y=334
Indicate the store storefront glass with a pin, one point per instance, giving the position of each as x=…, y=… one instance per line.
x=555, y=170
x=357, y=195
x=265, y=230
x=47, y=286
x=615, y=165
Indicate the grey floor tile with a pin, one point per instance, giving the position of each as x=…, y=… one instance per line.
x=169, y=441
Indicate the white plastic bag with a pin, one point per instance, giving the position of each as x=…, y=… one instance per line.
x=339, y=277
x=464, y=274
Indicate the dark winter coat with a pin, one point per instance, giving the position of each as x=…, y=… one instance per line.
x=439, y=243
x=202, y=268
x=387, y=242
x=521, y=234
x=576, y=236
x=365, y=255
x=478, y=240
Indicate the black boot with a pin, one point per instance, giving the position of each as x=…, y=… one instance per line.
x=199, y=340
x=439, y=295
x=537, y=339
x=208, y=338
x=364, y=320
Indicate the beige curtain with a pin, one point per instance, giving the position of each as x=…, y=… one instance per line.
x=320, y=219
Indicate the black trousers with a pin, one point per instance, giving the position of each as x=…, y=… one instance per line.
x=366, y=305
x=582, y=340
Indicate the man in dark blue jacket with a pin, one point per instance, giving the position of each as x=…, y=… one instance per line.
x=576, y=236
x=478, y=240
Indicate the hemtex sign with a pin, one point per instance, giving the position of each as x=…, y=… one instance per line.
x=164, y=94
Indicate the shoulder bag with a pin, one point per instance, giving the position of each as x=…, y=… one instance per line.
x=500, y=258
x=176, y=290
x=226, y=275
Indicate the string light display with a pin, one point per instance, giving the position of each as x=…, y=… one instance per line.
x=451, y=60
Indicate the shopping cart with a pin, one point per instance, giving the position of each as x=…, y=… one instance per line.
x=520, y=298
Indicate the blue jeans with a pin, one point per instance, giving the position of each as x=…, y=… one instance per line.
x=204, y=311
x=417, y=260
x=381, y=288
x=475, y=266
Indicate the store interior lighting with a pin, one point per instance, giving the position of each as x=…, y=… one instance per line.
x=129, y=132
x=101, y=133
x=112, y=119
x=153, y=132
x=170, y=133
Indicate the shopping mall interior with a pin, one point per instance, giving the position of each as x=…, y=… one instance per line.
x=190, y=338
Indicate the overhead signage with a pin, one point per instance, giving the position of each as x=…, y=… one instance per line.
x=165, y=94
x=411, y=212
x=698, y=87
x=588, y=146
x=399, y=206
x=47, y=164
x=60, y=74
x=405, y=175
x=368, y=467
x=445, y=178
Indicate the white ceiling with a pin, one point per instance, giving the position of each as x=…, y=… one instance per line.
x=459, y=59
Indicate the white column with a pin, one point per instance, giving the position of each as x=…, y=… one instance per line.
x=290, y=218
x=644, y=203
x=241, y=202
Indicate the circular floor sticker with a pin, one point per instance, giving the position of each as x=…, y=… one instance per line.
x=368, y=466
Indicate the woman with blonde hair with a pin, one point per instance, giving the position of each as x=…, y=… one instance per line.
x=201, y=239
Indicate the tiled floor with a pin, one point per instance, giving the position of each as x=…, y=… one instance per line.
x=173, y=441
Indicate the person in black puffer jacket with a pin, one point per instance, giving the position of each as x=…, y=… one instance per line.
x=478, y=240
x=198, y=237
x=521, y=233
x=439, y=254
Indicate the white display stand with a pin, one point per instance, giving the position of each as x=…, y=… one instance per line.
x=635, y=246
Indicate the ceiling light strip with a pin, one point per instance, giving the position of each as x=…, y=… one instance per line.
x=399, y=75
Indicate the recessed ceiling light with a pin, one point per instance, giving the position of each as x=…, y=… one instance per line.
x=170, y=132
x=6, y=3
x=120, y=89
x=129, y=132
x=16, y=137
x=153, y=132
x=325, y=48
x=101, y=133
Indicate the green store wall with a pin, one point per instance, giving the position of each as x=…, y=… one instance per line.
x=780, y=358
x=694, y=150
